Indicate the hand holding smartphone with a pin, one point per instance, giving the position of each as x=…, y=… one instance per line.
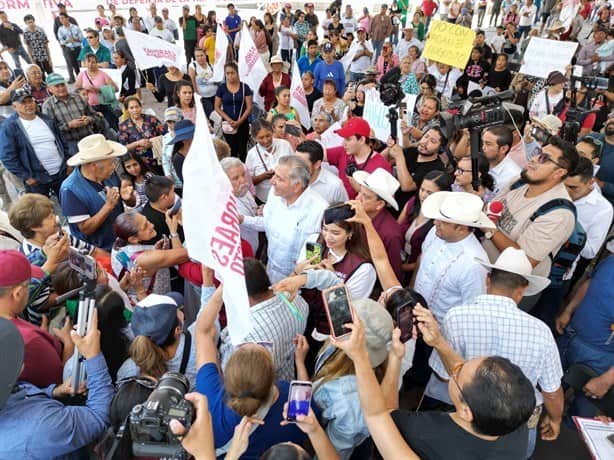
x=299, y=399
x=338, y=310
x=314, y=250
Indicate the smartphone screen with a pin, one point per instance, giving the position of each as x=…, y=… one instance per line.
x=405, y=315
x=339, y=310
x=313, y=249
x=299, y=399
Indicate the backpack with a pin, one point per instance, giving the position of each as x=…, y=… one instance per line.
x=563, y=260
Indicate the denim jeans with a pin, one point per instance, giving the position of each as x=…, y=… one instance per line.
x=20, y=52
x=377, y=48
x=532, y=441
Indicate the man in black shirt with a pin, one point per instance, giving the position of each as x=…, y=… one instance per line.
x=493, y=401
x=311, y=17
x=160, y=191
x=11, y=41
x=413, y=163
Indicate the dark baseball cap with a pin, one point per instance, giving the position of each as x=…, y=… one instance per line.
x=155, y=316
x=18, y=95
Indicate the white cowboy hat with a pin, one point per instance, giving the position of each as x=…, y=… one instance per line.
x=380, y=182
x=515, y=261
x=550, y=123
x=457, y=208
x=95, y=148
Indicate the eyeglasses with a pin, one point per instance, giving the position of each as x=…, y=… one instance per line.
x=459, y=171
x=542, y=157
x=456, y=370
x=91, y=37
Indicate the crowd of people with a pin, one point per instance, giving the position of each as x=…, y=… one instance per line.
x=498, y=239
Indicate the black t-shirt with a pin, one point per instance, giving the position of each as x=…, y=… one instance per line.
x=418, y=171
x=434, y=436
x=499, y=79
x=158, y=220
x=311, y=98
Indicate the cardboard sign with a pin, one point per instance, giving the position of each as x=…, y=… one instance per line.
x=449, y=44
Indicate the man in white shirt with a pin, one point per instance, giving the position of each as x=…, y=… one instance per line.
x=594, y=212
x=31, y=146
x=246, y=204
x=169, y=24
x=348, y=20
x=492, y=323
x=407, y=41
x=150, y=19
x=527, y=14
x=496, y=144
x=448, y=273
x=327, y=184
x=362, y=51
x=292, y=213
x=446, y=77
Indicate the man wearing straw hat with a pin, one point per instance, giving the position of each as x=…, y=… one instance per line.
x=90, y=195
x=492, y=324
x=448, y=274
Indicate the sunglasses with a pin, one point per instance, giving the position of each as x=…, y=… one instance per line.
x=456, y=370
x=542, y=157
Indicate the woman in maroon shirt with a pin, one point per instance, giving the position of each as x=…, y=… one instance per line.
x=274, y=79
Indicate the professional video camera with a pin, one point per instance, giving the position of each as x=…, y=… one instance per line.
x=476, y=114
x=149, y=422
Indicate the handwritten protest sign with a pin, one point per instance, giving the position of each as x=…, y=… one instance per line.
x=543, y=56
x=449, y=44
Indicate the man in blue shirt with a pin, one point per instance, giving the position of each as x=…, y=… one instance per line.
x=585, y=325
x=605, y=175
x=232, y=23
x=311, y=59
x=90, y=195
x=329, y=69
x=32, y=423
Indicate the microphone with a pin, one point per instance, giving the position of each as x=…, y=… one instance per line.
x=494, y=210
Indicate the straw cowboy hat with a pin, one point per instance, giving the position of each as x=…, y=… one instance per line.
x=556, y=25
x=380, y=182
x=95, y=148
x=515, y=261
x=457, y=208
x=278, y=60
x=550, y=123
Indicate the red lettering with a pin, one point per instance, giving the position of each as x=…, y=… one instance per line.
x=227, y=248
x=222, y=261
x=228, y=233
x=19, y=4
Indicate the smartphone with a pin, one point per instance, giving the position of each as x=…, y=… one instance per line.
x=82, y=263
x=338, y=310
x=299, y=399
x=293, y=130
x=405, y=320
x=175, y=208
x=58, y=222
x=314, y=249
x=338, y=213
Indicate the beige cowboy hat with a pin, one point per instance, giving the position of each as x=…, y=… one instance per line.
x=550, y=123
x=457, y=208
x=556, y=25
x=277, y=59
x=380, y=182
x=95, y=148
x=515, y=261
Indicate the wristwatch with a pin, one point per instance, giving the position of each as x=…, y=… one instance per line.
x=490, y=233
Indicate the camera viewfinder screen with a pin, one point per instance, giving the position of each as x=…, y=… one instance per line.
x=339, y=309
x=299, y=400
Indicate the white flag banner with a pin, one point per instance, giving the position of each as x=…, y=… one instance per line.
x=151, y=51
x=251, y=68
x=221, y=49
x=543, y=56
x=212, y=226
x=298, y=100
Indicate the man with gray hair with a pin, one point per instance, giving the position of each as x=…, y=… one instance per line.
x=246, y=204
x=291, y=214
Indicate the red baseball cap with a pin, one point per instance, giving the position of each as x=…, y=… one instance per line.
x=355, y=126
x=20, y=268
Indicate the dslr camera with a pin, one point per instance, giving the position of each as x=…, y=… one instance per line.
x=149, y=422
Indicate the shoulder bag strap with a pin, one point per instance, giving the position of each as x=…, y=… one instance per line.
x=547, y=101
x=261, y=159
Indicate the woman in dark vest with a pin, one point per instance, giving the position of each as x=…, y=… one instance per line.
x=346, y=255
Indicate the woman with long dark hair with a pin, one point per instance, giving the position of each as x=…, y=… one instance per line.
x=415, y=226
x=138, y=172
x=184, y=100
x=115, y=336
x=233, y=102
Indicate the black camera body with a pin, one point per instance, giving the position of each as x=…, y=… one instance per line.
x=540, y=135
x=149, y=422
